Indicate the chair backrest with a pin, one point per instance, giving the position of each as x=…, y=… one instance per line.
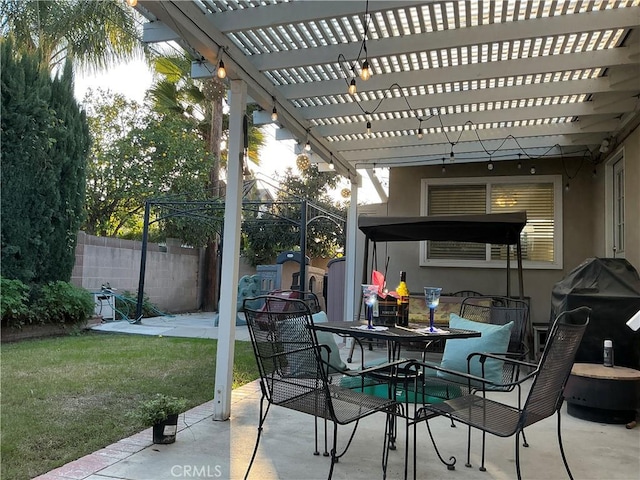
x=286, y=351
x=501, y=311
x=545, y=396
x=310, y=298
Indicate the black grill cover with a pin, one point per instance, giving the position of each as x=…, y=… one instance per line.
x=611, y=287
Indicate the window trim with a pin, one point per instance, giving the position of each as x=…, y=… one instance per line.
x=609, y=219
x=556, y=180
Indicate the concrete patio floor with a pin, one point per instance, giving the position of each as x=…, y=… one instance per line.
x=210, y=449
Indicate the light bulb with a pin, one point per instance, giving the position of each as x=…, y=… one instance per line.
x=222, y=72
x=490, y=165
x=132, y=3
x=274, y=114
x=519, y=165
x=331, y=165
x=365, y=74
x=369, y=127
x=566, y=187
x=352, y=87
x=307, y=146
x=533, y=170
x=420, y=134
x=452, y=157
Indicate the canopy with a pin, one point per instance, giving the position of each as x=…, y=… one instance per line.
x=496, y=228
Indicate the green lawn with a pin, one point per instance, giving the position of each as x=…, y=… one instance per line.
x=65, y=397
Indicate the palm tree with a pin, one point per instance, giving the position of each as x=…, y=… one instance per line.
x=176, y=93
x=95, y=35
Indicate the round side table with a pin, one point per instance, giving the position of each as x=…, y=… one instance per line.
x=603, y=394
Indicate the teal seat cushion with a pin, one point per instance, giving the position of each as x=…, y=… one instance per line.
x=493, y=339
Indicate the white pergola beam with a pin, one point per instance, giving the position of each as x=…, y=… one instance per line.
x=437, y=100
x=484, y=34
x=462, y=73
x=156, y=32
x=482, y=117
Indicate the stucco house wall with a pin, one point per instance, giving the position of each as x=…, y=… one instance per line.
x=583, y=216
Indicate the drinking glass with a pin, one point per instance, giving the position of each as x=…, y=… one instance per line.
x=370, y=296
x=432, y=299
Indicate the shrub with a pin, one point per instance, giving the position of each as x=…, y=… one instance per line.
x=159, y=408
x=62, y=302
x=14, y=303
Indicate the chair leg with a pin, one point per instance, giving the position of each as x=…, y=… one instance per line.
x=326, y=452
x=315, y=431
x=524, y=440
x=468, y=464
x=564, y=458
x=260, y=424
x=518, y=456
x=484, y=437
x=334, y=457
x=451, y=464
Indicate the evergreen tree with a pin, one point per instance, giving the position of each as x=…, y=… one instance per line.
x=45, y=141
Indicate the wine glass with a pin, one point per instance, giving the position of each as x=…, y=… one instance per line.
x=432, y=299
x=370, y=296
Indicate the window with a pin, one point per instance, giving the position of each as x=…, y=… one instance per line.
x=541, y=238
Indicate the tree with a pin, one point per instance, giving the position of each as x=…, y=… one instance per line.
x=137, y=155
x=274, y=228
x=201, y=101
x=44, y=148
x=45, y=134
x=93, y=34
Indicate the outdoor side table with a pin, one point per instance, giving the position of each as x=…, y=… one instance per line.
x=603, y=394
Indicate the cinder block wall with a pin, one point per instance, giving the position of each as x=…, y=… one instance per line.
x=172, y=273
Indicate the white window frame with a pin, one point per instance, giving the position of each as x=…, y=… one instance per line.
x=556, y=180
x=617, y=161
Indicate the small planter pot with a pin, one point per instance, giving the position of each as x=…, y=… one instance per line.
x=165, y=432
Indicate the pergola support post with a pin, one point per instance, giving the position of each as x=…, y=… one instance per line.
x=230, y=255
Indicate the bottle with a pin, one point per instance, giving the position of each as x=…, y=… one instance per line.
x=608, y=353
x=403, y=301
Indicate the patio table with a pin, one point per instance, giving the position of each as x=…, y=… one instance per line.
x=395, y=337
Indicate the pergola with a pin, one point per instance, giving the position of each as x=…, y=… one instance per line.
x=461, y=80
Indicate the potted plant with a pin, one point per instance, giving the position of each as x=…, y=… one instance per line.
x=161, y=412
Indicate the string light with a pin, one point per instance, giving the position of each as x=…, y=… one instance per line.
x=365, y=74
x=519, y=162
x=331, y=165
x=368, y=127
x=566, y=187
x=352, y=87
x=221, y=72
x=533, y=170
x=307, y=146
x=490, y=164
x=274, y=112
x=444, y=169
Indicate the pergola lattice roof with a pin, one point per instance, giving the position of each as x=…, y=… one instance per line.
x=498, y=79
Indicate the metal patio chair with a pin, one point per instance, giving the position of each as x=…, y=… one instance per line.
x=545, y=396
x=501, y=311
x=294, y=375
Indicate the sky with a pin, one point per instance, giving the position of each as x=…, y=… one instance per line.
x=134, y=78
